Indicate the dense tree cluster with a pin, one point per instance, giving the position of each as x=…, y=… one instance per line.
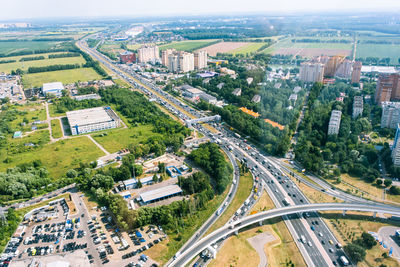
x=7, y=61
x=314, y=146
x=210, y=158
x=65, y=103
x=53, y=68
x=32, y=58
x=357, y=249
x=61, y=55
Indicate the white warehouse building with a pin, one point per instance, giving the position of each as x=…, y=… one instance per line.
x=92, y=119
x=54, y=88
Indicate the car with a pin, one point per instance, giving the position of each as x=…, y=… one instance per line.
x=331, y=250
x=320, y=234
x=309, y=243
x=322, y=242
x=331, y=242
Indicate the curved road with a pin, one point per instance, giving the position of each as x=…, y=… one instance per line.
x=187, y=255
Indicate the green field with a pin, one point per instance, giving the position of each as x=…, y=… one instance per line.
x=287, y=43
x=114, y=140
x=379, y=50
x=188, y=46
x=56, y=128
x=9, y=47
x=64, y=76
x=57, y=157
x=33, y=112
x=8, y=67
x=249, y=48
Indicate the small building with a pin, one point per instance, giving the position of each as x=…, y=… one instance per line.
x=237, y=92
x=125, y=195
x=297, y=89
x=160, y=194
x=277, y=85
x=173, y=171
x=86, y=97
x=130, y=184
x=208, y=98
x=54, y=88
x=334, y=122
x=293, y=97
x=92, y=119
x=220, y=85
x=256, y=98
x=17, y=134
x=207, y=74
x=249, y=80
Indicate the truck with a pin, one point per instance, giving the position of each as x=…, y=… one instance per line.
x=344, y=260
x=285, y=201
x=247, y=202
x=237, y=135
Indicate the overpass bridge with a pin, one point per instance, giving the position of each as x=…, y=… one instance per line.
x=189, y=123
x=191, y=252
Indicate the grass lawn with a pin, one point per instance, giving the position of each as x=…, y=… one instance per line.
x=33, y=112
x=379, y=50
x=8, y=67
x=344, y=227
x=249, y=48
x=114, y=140
x=56, y=128
x=9, y=47
x=243, y=192
x=237, y=251
x=64, y=76
x=57, y=157
x=188, y=46
x=121, y=83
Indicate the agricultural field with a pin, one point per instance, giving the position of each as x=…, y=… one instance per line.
x=24, y=65
x=287, y=47
x=188, y=46
x=111, y=47
x=117, y=139
x=10, y=47
x=224, y=47
x=64, y=76
x=249, y=48
x=391, y=51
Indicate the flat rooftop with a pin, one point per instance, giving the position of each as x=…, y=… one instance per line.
x=91, y=116
x=160, y=193
x=52, y=86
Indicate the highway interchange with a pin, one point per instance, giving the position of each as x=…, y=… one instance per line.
x=316, y=248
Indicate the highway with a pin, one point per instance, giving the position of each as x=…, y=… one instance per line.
x=228, y=229
x=315, y=252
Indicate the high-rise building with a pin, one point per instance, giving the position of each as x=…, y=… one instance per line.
x=358, y=106
x=148, y=54
x=332, y=65
x=387, y=88
x=334, y=122
x=396, y=148
x=344, y=70
x=180, y=61
x=311, y=72
x=356, y=73
x=200, y=59
x=390, y=114
x=165, y=54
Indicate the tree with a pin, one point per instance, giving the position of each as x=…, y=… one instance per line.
x=139, y=184
x=379, y=182
x=394, y=190
x=388, y=182
x=368, y=240
x=138, y=170
x=161, y=167
x=72, y=173
x=155, y=178
x=356, y=253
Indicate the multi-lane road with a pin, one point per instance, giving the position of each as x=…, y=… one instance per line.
x=316, y=250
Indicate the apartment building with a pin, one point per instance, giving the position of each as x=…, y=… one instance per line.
x=390, y=114
x=396, y=148
x=356, y=73
x=334, y=122
x=148, y=54
x=164, y=56
x=180, y=61
x=200, y=60
x=358, y=106
x=311, y=72
x=387, y=88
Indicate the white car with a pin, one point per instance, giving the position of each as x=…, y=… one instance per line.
x=321, y=234
x=309, y=244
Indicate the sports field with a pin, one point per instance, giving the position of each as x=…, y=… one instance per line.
x=64, y=76
x=24, y=65
x=188, y=46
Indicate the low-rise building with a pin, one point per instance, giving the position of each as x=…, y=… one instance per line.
x=237, y=92
x=334, y=122
x=54, y=88
x=160, y=194
x=92, y=119
x=358, y=106
x=256, y=98
x=86, y=97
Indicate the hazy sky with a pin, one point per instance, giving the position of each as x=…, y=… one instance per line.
x=20, y=9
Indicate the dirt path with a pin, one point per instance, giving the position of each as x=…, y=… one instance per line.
x=258, y=242
x=97, y=144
